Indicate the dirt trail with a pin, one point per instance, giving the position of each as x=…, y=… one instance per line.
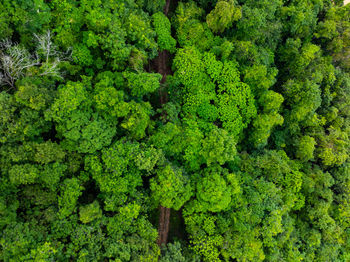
x=163, y=68
x=166, y=7
x=163, y=227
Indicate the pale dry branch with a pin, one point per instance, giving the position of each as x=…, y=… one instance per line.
x=15, y=60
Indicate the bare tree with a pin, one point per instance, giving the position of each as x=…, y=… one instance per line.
x=15, y=60
x=48, y=49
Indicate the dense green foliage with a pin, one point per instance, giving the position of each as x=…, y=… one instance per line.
x=246, y=139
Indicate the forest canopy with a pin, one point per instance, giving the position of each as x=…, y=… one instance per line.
x=174, y=131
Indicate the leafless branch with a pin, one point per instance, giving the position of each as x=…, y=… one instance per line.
x=15, y=60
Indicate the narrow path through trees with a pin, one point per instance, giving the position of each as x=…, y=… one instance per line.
x=163, y=68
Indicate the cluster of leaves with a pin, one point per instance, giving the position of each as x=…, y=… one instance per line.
x=162, y=27
x=247, y=139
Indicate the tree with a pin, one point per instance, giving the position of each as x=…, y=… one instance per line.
x=76, y=122
x=189, y=28
x=163, y=29
x=334, y=32
x=171, y=187
x=90, y=212
x=222, y=16
x=215, y=188
x=70, y=192
x=231, y=103
x=142, y=83
x=305, y=148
